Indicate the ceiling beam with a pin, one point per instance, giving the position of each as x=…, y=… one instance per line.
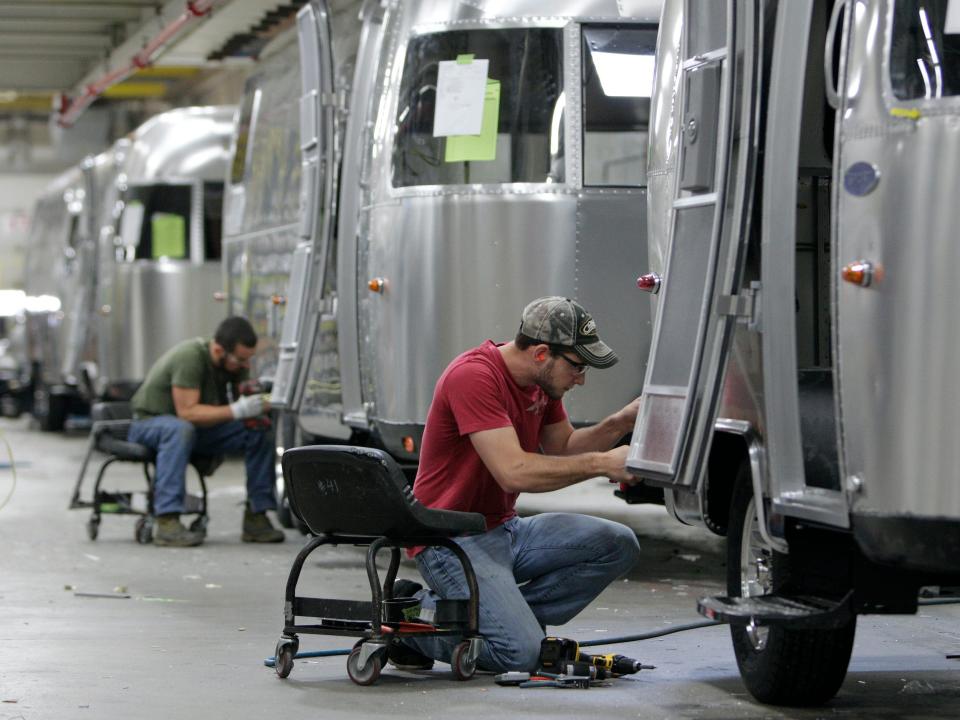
x=60, y=10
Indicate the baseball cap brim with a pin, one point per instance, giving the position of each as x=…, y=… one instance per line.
x=597, y=354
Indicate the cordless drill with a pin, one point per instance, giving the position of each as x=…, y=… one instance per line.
x=556, y=652
x=611, y=665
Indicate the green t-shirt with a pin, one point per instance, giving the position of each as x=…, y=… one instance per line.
x=185, y=365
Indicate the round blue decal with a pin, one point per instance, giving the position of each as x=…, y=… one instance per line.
x=860, y=179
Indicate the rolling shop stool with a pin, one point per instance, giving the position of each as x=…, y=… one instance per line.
x=111, y=423
x=359, y=496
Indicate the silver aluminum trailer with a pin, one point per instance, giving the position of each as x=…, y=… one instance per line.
x=159, y=274
x=58, y=277
x=800, y=396
x=437, y=242
x=265, y=231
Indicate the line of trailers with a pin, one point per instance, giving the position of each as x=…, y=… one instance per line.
x=779, y=174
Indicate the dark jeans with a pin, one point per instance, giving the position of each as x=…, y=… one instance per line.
x=175, y=440
x=531, y=572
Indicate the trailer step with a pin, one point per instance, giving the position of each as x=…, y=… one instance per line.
x=800, y=611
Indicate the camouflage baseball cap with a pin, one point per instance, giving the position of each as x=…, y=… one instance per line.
x=561, y=321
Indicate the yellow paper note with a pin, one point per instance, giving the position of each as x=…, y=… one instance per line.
x=482, y=147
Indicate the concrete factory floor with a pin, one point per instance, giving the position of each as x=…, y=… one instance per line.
x=190, y=640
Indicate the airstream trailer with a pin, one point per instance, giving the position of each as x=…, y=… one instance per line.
x=159, y=273
x=58, y=278
x=533, y=185
x=266, y=234
x=799, y=396
x=125, y=251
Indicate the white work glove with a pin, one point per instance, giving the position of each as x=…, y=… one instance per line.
x=247, y=407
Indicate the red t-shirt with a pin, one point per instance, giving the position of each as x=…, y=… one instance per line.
x=476, y=392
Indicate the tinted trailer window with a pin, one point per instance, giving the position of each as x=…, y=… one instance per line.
x=617, y=84
x=528, y=64
x=925, y=50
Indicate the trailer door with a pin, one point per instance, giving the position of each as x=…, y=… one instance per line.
x=697, y=298
x=317, y=188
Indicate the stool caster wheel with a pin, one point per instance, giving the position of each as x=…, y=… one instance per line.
x=370, y=672
x=285, y=652
x=200, y=525
x=463, y=667
x=143, y=531
x=93, y=528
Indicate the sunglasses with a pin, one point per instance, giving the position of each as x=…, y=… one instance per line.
x=578, y=368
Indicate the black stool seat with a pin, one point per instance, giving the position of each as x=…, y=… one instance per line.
x=347, y=490
x=358, y=495
x=111, y=425
x=124, y=449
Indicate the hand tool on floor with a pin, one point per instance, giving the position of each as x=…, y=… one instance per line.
x=556, y=652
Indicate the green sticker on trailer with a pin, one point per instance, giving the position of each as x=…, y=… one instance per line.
x=482, y=147
x=169, y=233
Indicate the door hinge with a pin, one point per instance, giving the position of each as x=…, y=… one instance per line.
x=745, y=306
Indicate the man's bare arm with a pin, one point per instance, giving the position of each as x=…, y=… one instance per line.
x=189, y=408
x=561, y=439
x=516, y=470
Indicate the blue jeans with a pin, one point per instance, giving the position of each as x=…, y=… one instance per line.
x=531, y=572
x=175, y=440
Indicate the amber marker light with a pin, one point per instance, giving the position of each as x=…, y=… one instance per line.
x=859, y=273
x=649, y=283
x=278, y=300
x=377, y=285
x=408, y=444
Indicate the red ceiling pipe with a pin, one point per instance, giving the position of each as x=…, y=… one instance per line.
x=195, y=9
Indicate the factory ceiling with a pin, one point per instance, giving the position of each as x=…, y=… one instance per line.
x=53, y=53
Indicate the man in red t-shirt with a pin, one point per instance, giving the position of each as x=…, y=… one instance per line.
x=496, y=428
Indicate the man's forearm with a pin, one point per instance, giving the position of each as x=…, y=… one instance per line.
x=599, y=437
x=534, y=472
x=206, y=415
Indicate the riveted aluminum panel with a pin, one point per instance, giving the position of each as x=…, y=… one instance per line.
x=896, y=340
x=157, y=304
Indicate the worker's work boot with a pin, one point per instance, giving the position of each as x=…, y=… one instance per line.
x=170, y=532
x=258, y=528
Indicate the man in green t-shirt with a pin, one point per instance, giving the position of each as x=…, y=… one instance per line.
x=184, y=407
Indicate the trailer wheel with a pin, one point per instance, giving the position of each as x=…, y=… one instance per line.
x=779, y=666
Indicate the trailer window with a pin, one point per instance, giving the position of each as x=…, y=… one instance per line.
x=528, y=143
x=159, y=222
x=617, y=84
x=925, y=49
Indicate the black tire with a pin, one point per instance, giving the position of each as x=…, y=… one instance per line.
x=463, y=669
x=779, y=666
x=283, y=661
x=371, y=671
x=93, y=528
